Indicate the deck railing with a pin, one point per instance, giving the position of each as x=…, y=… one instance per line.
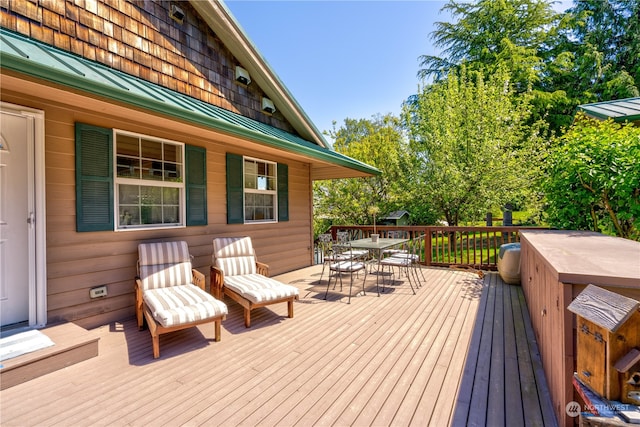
x=472, y=247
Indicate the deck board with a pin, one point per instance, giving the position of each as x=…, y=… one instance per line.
x=530, y=401
x=512, y=391
x=481, y=380
x=465, y=393
x=397, y=359
x=503, y=385
x=495, y=404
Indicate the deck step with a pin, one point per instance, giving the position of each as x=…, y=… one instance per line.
x=72, y=344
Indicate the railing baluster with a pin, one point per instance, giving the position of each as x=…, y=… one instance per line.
x=475, y=249
x=481, y=249
x=428, y=242
x=441, y=248
x=467, y=248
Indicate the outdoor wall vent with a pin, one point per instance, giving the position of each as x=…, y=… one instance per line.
x=267, y=106
x=176, y=13
x=242, y=75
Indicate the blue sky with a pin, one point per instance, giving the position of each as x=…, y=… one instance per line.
x=343, y=59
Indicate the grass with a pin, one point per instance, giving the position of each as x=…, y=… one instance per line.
x=468, y=247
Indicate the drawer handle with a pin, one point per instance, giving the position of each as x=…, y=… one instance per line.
x=587, y=374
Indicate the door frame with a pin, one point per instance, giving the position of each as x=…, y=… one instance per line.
x=38, y=251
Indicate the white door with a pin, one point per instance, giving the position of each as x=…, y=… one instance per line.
x=17, y=237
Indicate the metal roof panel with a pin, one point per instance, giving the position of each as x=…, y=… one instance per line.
x=618, y=110
x=36, y=59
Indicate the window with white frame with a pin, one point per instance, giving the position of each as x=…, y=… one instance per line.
x=260, y=191
x=149, y=184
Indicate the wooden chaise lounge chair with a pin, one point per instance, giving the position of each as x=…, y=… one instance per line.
x=237, y=273
x=171, y=295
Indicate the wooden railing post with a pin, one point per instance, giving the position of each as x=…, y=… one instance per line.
x=428, y=246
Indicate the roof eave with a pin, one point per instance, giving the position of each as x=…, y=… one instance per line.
x=224, y=25
x=595, y=115
x=342, y=166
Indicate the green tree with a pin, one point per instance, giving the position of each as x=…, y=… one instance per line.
x=379, y=142
x=594, y=179
x=474, y=148
x=492, y=34
x=603, y=39
x=590, y=53
x=513, y=35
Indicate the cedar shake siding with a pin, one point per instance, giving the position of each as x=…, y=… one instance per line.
x=141, y=39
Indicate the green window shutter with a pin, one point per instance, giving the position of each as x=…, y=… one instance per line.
x=283, y=192
x=94, y=178
x=235, y=190
x=196, y=184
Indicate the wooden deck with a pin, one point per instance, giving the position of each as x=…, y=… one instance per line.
x=398, y=359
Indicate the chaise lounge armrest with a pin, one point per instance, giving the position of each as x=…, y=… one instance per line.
x=217, y=280
x=198, y=279
x=262, y=268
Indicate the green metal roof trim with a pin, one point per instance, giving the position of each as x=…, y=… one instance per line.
x=27, y=56
x=618, y=110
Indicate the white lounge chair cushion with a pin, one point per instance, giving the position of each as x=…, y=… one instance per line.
x=356, y=253
x=258, y=288
x=165, y=275
x=176, y=305
x=234, y=255
x=164, y=264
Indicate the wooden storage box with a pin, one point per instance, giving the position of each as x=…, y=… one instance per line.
x=608, y=332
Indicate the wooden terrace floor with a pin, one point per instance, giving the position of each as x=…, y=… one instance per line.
x=398, y=359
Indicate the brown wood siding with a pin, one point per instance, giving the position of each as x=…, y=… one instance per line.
x=544, y=296
x=140, y=38
x=77, y=262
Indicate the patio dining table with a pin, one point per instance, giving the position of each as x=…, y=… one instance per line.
x=377, y=247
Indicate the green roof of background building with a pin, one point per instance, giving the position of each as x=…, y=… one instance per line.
x=619, y=110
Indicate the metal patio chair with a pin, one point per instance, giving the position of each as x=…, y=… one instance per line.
x=352, y=265
x=413, y=255
x=403, y=260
